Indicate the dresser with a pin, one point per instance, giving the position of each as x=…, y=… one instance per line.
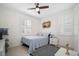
x=2, y=47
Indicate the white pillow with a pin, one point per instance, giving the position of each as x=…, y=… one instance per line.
x=39, y=34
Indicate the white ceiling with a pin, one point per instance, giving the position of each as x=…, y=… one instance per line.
x=53, y=8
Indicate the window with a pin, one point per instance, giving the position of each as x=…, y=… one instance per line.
x=27, y=26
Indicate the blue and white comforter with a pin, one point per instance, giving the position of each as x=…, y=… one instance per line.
x=34, y=42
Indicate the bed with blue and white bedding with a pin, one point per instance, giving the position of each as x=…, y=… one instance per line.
x=34, y=42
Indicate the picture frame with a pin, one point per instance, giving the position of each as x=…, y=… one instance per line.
x=46, y=24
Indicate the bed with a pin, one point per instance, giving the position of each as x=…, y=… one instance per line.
x=34, y=42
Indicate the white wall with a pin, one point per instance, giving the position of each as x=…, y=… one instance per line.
x=76, y=28
x=14, y=21
x=60, y=22
x=62, y=26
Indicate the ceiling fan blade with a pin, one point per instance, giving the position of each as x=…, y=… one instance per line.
x=43, y=7
x=31, y=8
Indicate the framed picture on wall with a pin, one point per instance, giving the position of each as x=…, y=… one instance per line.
x=46, y=24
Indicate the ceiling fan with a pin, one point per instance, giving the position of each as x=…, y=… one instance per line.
x=37, y=8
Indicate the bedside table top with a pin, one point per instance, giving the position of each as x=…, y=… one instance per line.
x=62, y=51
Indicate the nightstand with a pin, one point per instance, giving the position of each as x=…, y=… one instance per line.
x=54, y=41
x=62, y=51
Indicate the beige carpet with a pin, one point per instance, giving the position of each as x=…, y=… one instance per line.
x=17, y=51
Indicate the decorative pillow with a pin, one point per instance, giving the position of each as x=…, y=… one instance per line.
x=39, y=34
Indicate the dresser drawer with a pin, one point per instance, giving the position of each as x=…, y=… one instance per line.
x=51, y=41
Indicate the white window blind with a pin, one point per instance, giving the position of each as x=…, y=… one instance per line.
x=27, y=26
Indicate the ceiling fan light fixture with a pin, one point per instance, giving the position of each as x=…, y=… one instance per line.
x=37, y=9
